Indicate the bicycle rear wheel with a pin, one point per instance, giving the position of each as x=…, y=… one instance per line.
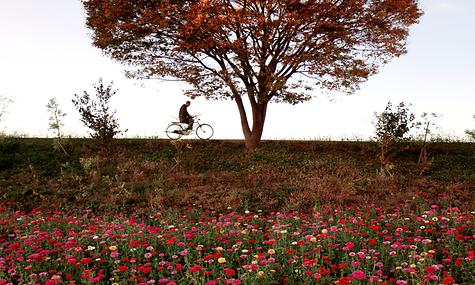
x=204, y=131
x=174, y=131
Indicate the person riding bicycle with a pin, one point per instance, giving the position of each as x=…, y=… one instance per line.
x=184, y=116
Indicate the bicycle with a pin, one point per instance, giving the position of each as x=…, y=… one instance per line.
x=176, y=130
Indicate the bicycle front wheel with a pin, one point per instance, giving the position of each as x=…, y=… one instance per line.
x=174, y=131
x=204, y=131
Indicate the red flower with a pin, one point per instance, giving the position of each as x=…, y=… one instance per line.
x=194, y=268
x=430, y=269
x=144, y=269
x=375, y=227
x=172, y=240
x=229, y=272
x=342, y=265
x=372, y=242
x=123, y=268
x=344, y=280
x=86, y=260
x=208, y=256
x=448, y=280
x=323, y=271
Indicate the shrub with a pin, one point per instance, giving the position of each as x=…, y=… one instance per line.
x=95, y=113
x=471, y=133
x=392, y=127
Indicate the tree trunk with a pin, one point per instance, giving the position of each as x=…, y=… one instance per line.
x=253, y=140
x=252, y=136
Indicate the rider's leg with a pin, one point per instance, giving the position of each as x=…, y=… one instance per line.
x=190, y=124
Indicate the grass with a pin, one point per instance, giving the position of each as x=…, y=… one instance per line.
x=288, y=175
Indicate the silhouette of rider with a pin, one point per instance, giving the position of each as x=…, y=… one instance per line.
x=184, y=116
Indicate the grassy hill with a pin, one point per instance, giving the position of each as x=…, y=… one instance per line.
x=279, y=176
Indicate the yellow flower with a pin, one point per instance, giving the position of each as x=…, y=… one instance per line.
x=112, y=248
x=221, y=260
x=260, y=274
x=271, y=251
x=324, y=231
x=313, y=239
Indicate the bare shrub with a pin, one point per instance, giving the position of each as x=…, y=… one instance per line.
x=55, y=122
x=5, y=102
x=471, y=133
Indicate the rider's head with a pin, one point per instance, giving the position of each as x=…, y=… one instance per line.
x=187, y=103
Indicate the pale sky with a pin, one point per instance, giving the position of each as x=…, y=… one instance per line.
x=46, y=51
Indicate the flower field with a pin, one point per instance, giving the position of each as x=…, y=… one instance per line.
x=419, y=242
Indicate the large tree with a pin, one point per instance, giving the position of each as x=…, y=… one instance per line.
x=262, y=50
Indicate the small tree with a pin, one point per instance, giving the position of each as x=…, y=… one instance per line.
x=55, y=123
x=471, y=133
x=392, y=127
x=95, y=113
x=5, y=102
x=426, y=125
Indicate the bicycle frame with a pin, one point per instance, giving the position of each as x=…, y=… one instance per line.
x=177, y=129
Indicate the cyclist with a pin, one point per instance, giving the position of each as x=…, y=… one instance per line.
x=184, y=116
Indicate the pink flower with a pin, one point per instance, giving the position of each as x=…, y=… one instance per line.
x=114, y=254
x=349, y=245
x=358, y=274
